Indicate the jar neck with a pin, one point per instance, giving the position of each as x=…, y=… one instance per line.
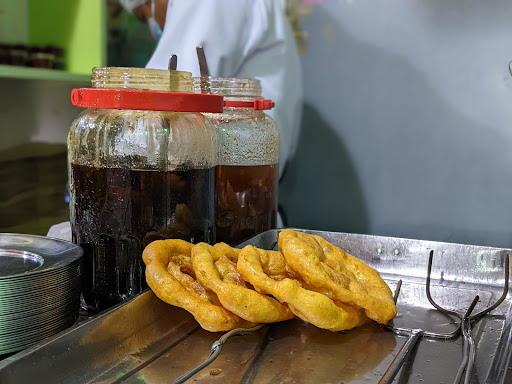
x=236, y=89
x=142, y=79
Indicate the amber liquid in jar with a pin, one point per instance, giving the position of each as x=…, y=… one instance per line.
x=118, y=212
x=246, y=201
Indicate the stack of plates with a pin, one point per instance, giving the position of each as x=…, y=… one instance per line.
x=39, y=289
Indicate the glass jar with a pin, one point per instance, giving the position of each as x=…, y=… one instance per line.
x=136, y=175
x=247, y=176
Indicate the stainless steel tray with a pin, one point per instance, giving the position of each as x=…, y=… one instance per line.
x=147, y=341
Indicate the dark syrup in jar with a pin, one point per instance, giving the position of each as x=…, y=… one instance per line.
x=117, y=212
x=246, y=201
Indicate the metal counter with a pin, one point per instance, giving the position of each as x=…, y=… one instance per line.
x=147, y=341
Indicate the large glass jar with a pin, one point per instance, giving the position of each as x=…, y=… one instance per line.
x=248, y=155
x=136, y=175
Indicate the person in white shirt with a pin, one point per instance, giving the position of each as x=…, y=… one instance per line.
x=240, y=38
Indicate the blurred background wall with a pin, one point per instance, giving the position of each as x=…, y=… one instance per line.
x=407, y=124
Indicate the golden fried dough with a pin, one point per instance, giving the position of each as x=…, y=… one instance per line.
x=170, y=275
x=217, y=271
x=310, y=306
x=331, y=271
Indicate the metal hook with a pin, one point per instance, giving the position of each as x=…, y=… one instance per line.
x=429, y=296
x=503, y=296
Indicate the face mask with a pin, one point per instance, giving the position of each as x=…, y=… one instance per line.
x=130, y=5
x=154, y=27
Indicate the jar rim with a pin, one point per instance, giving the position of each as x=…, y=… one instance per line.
x=228, y=86
x=141, y=79
x=139, y=71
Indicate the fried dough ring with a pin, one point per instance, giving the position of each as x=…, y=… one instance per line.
x=170, y=275
x=337, y=274
x=217, y=271
x=310, y=306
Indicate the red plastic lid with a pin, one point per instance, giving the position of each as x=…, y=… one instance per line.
x=146, y=100
x=257, y=105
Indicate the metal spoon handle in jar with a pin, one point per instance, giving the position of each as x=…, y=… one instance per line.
x=203, y=64
x=203, y=69
x=173, y=63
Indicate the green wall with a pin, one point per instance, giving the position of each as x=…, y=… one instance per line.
x=79, y=26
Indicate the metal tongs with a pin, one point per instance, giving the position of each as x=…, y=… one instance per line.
x=215, y=351
x=463, y=327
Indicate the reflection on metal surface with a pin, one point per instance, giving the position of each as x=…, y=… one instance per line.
x=299, y=352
